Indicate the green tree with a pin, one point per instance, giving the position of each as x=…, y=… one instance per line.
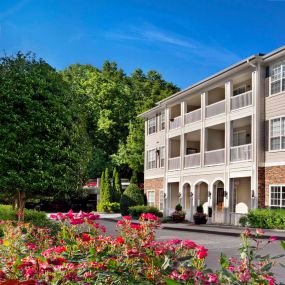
x=117, y=185
x=102, y=189
x=132, y=196
x=43, y=141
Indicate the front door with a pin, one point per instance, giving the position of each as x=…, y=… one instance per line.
x=219, y=206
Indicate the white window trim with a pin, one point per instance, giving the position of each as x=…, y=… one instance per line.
x=240, y=132
x=275, y=185
x=155, y=160
x=160, y=121
x=160, y=147
x=270, y=81
x=269, y=135
x=147, y=195
x=155, y=125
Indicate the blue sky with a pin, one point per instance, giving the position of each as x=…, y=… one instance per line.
x=183, y=40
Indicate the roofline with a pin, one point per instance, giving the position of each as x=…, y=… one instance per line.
x=195, y=85
x=274, y=52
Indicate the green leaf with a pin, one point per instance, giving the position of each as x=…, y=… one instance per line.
x=266, y=267
x=171, y=282
x=282, y=243
x=224, y=261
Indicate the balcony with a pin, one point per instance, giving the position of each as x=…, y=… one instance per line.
x=215, y=157
x=241, y=100
x=174, y=163
x=241, y=153
x=192, y=160
x=193, y=116
x=175, y=123
x=215, y=109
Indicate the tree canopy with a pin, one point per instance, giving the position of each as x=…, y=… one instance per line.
x=43, y=140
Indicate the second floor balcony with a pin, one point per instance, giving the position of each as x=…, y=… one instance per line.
x=175, y=117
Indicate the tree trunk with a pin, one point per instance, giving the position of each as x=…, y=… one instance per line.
x=19, y=204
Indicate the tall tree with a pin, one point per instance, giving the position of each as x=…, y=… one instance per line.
x=117, y=185
x=43, y=141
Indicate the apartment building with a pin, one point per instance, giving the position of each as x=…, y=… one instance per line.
x=220, y=143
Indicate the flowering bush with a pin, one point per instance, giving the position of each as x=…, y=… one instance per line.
x=82, y=254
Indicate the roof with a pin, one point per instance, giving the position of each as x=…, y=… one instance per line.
x=178, y=94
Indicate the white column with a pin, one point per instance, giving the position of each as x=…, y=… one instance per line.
x=182, y=113
x=182, y=150
x=204, y=100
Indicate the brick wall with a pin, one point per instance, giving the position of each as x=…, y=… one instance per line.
x=273, y=175
x=155, y=184
x=261, y=187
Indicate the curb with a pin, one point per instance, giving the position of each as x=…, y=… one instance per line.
x=206, y=231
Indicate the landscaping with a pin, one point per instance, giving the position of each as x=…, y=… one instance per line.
x=80, y=253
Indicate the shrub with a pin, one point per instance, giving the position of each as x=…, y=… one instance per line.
x=33, y=217
x=133, y=196
x=136, y=211
x=267, y=218
x=178, y=207
x=243, y=221
x=109, y=207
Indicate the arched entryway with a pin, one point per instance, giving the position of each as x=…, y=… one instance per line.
x=218, y=202
x=201, y=196
x=187, y=200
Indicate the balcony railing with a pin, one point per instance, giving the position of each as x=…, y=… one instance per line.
x=193, y=116
x=241, y=100
x=192, y=160
x=241, y=152
x=216, y=156
x=215, y=109
x=174, y=163
x=175, y=123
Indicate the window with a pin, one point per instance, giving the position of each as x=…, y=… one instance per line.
x=152, y=125
x=239, y=138
x=277, y=134
x=150, y=198
x=278, y=78
x=161, y=156
x=162, y=121
x=161, y=200
x=241, y=89
x=277, y=196
x=151, y=159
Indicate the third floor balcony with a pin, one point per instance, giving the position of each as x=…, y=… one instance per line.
x=215, y=102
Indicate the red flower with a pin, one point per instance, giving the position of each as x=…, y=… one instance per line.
x=189, y=244
x=85, y=237
x=260, y=232
x=120, y=223
x=120, y=240
x=31, y=246
x=127, y=218
x=59, y=249
x=201, y=252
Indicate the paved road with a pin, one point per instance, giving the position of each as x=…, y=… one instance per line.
x=214, y=243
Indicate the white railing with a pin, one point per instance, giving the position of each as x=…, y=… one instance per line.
x=241, y=100
x=193, y=116
x=215, y=109
x=192, y=160
x=241, y=152
x=174, y=163
x=175, y=123
x=216, y=156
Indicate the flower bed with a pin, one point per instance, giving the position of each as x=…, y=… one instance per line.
x=82, y=254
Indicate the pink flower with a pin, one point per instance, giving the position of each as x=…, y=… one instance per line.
x=76, y=221
x=149, y=216
x=128, y=218
x=260, y=232
x=69, y=214
x=213, y=278
x=247, y=232
x=31, y=246
x=136, y=226
x=189, y=244
x=272, y=239
x=59, y=249
x=120, y=223
x=30, y=272
x=271, y=280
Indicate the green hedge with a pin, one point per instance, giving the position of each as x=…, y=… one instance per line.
x=136, y=211
x=267, y=218
x=36, y=218
x=109, y=207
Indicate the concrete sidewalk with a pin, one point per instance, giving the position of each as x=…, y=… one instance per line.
x=208, y=229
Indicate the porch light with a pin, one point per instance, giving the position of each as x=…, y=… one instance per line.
x=191, y=194
x=209, y=194
x=157, y=151
x=252, y=194
x=226, y=194
x=179, y=194
x=164, y=195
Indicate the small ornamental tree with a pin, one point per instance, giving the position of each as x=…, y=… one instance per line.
x=102, y=189
x=108, y=191
x=133, y=196
x=117, y=185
